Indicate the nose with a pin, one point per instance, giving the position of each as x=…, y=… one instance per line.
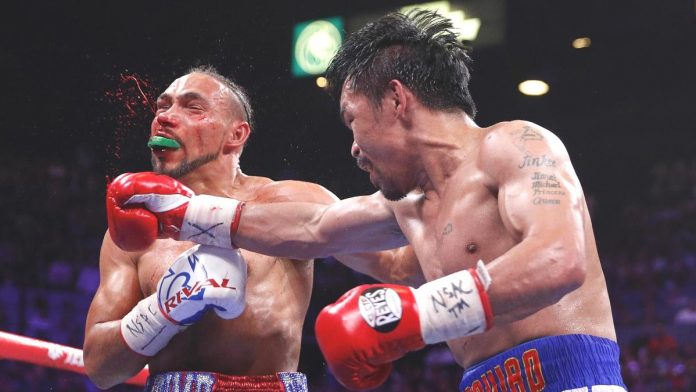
x=166, y=119
x=355, y=150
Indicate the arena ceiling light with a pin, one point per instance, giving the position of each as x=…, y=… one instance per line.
x=314, y=43
x=322, y=82
x=582, y=42
x=466, y=29
x=533, y=87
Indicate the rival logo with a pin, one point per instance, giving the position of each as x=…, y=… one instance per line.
x=194, y=293
x=381, y=309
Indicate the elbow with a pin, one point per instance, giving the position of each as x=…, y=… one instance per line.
x=320, y=245
x=98, y=371
x=569, y=269
x=575, y=272
x=101, y=382
x=99, y=378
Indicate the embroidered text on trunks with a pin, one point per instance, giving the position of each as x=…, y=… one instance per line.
x=516, y=375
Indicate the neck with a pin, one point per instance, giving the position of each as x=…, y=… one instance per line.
x=442, y=144
x=219, y=178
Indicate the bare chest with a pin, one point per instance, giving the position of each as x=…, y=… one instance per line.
x=262, y=271
x=156, y=260
x=454, y=232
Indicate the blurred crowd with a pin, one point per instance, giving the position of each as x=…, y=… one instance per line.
x=55, y=222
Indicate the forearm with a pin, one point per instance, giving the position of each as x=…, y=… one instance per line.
x=108, y=361
x=290, y=229
x=395, y=266
x=534, y=275
x=308, y=230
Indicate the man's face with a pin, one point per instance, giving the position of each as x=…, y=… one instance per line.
x=378, y=144
x=195, y=111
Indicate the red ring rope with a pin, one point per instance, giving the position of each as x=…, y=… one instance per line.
x=53, y=355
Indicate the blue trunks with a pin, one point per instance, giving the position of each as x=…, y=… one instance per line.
x=215, y=382
x=577, y=363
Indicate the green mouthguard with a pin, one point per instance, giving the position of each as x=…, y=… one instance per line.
x=162, y=142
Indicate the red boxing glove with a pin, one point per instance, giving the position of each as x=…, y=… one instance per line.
x=369, y=327
x=141, y=207
x=372, y=325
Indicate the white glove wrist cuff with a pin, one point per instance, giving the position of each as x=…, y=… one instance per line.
x=145, y=330
x=211, y=220
x=455, y=305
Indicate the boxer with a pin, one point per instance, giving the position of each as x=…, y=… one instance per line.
x=160, y=302
x=496, y=216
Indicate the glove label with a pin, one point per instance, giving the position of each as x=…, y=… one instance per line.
x=381, y=308
x=195, y=292
x=202, y=278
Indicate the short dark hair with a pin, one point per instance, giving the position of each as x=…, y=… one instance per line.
x=417, y=48
x=238, y=90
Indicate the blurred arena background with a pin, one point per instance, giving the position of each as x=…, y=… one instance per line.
x=623, y=99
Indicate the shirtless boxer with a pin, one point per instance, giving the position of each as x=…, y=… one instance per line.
x=496, y=216
x=229, y=337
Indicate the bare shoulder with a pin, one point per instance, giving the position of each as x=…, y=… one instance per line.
x=519, y=144
x=294, y=191
x=520, y=135
x=111, y=254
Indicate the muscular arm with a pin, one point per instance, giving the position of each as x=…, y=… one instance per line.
x=396, y=266
x=108, y=361
x=307, y=230
x=541, y=202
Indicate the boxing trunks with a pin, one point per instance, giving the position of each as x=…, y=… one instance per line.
x=215, y=382
x=568, y=363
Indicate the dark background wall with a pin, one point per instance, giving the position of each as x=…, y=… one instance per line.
x=619, y=105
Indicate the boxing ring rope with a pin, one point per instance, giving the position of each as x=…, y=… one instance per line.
x=52, y=355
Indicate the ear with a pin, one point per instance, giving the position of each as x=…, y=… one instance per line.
x=400, y=100
x=236, y=137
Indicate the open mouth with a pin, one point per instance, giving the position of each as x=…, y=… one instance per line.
x=160, y=143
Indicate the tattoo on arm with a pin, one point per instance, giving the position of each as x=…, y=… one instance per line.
x=537, y=161
x=546, y=189
x=526, y=134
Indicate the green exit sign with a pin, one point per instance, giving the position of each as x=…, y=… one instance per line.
x=314, y=44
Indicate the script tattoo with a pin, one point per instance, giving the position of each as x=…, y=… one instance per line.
x=546, y=189
x=447, y=229
x=450, y=298
x=537, y=161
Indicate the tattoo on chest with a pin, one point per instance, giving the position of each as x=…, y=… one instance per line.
x=546, y=188
x=448, y=229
